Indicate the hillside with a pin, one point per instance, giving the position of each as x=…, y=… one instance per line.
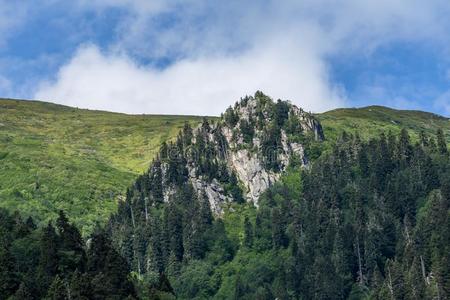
x=238, y=207
x=235, y=209
x=56, y=157
x=372, y=120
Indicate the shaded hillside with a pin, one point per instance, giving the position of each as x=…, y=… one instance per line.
x=56, y=157
x=372, y=120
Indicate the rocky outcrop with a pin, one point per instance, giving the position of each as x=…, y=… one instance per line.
x=255, y=178
x=242, y=154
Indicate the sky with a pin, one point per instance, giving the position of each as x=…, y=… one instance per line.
x=198, y=57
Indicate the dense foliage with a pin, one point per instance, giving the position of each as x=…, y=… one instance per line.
x=54, y=262
x=367, y=220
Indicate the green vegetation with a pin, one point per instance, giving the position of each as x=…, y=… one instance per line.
x=368, y=220
x=53, y=262
x=55, y=157
x=370, y=121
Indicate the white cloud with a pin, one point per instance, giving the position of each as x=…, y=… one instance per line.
x=224, y=50
x=202, y=86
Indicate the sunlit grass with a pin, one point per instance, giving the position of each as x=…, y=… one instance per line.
x=55, y=157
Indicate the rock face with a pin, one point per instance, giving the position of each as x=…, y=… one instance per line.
x=251, y=173
x=242, y=154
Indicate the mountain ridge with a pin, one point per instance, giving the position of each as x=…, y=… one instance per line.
x=235, y=158
x=45, y=145
x=359, y=108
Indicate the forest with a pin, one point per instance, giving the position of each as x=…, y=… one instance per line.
x=368, y=219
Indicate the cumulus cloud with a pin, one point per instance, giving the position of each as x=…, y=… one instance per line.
x=202, y=86
x=219, y=51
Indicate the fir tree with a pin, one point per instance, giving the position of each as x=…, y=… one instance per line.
x=248, y=233
x=57, y=290
x=71, y=251
x=441, y=143
x=48, y=262
x=8, y=278
x=23, y=293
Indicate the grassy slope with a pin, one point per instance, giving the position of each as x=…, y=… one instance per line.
x=55, y=157
x=372, y=120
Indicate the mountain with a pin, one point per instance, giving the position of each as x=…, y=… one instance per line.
x=82, y=161
x=262, y=204
x=57, y=157
x=234, y=159
x=266, y=202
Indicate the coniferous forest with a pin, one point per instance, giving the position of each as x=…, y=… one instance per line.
x=368, y=219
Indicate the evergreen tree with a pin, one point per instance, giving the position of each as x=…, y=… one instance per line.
x=48, y=262
x=79, y=286
x=57, y=290
x=248, y=233
x=71, y=252
x=109, y=270
x=278, y=230
x=441, y=143
x=404, y=146
x=23, y=293
x=174, y=231
x=236, y=191
x=8, y=278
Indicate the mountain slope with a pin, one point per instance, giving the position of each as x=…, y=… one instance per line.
x=336, y=228
x=367, y=219
x=372, y=120
x=234, y=159
x=207, y=172
x=56, y=157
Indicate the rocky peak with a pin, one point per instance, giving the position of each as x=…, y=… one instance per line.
x=238, y=157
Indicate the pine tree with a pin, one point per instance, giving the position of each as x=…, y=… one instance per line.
x=206, y=217
x=424, y=141
x=57, y=290
x=441, y=143
x=109, y=270
x=239, y=288
x=79, y=286
x=173, y=266
x=236, y=191
x=404, y=146
x=164, y=284
x=155, y=253
x=415, y=285
x=187, y=134
x=71, y=252
x=395, y=280
x=156, y=181
x=174, y=231
x=248, y=233
x=278, y=231
x=8, y=278
x=23, y=293
x=48, y=262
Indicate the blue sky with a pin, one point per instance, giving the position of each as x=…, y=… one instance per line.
x=198, y=57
